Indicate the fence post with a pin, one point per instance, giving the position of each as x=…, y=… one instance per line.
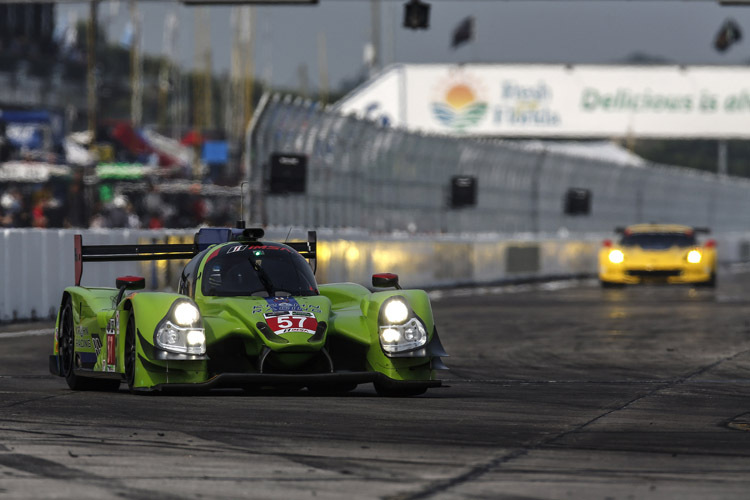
x=535, y=185
x=253, y=164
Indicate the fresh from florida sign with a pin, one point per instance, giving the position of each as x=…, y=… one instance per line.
x=560, y=101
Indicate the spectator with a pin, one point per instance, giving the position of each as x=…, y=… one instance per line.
x=38, y=219
x=98, y=221
x=117, y=215
x=6, y=147
x=76, y=204
x=134, y=222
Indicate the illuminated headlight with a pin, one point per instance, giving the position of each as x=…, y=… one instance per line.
x=399, y=338
x=186, y=314
x=694, y=256
x=181, y=330
x=616, y=257
x=396, y=311
x=196, y=337
x=173, y=338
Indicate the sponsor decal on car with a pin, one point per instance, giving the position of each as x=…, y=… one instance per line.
x=283, y=304
x=111, y=343
x=288, y=322
x=83, y=343
x=97, y=344
x=313, y=308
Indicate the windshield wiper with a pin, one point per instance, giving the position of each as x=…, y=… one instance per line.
x=263, y=276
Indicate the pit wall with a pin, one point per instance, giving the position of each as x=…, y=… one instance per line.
x=36, y=265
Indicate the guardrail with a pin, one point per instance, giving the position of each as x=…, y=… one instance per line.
x=37, y=264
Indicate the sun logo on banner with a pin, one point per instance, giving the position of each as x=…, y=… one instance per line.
x=459, y=106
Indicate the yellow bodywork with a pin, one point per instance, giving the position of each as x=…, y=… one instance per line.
x=632, y=264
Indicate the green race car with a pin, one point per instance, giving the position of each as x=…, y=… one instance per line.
x=248, y=314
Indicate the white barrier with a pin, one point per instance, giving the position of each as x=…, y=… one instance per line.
x=37, y=264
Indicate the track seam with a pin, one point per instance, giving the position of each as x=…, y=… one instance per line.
x=481, y=469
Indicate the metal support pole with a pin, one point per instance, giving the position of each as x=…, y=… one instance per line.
x=722, y=167
x=253, y=171
x=91, y=100
x=375, y=35
x=535, y=185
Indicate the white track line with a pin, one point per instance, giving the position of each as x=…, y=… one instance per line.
x=26, y=333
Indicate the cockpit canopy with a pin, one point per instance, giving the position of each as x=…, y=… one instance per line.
x=261, y=269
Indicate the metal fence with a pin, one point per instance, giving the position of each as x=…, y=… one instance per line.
x=363, y=175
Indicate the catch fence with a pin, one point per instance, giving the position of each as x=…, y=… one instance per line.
x=363, y=175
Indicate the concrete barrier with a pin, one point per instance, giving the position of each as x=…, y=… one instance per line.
x=37, y=264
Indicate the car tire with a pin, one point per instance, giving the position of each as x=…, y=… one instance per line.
x=609, y=284
x=66, y=351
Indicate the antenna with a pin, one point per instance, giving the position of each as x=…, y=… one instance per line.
x=287, y=234
x=241, y=220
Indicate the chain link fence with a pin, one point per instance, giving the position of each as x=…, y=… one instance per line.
x=362, y=175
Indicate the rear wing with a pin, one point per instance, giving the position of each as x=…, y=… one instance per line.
x=111, y=253
x=180, y=251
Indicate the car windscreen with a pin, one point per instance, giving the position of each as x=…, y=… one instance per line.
x=658, y=241
x=261, y=270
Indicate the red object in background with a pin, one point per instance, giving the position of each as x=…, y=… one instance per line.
x=155, y=223
x=710, y=244
x=37, y=215
x=192, y=138
x=127, y=136
x=607, y=243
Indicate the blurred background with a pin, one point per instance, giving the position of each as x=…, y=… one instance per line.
x=137, y=113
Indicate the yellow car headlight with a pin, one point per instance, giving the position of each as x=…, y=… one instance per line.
x=616, y=257
x=694, y=256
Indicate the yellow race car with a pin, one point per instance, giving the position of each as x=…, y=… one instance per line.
x=658, y=253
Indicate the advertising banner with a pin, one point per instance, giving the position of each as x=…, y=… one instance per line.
x=560, y=101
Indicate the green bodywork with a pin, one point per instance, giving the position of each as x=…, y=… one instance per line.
x=233, y=339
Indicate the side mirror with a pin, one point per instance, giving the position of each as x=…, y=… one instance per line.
x=129, y=283
x=385, y=280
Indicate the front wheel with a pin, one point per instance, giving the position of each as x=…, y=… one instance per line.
x=68, y=358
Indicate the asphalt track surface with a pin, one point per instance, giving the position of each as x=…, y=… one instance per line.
x=560, y=391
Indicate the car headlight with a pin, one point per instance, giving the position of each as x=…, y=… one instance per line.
x=616, y=257
x=181, y=330
x=400, y=329
x=396, y=311
x=399, y=338
x=694, y=256
x=186, y=314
